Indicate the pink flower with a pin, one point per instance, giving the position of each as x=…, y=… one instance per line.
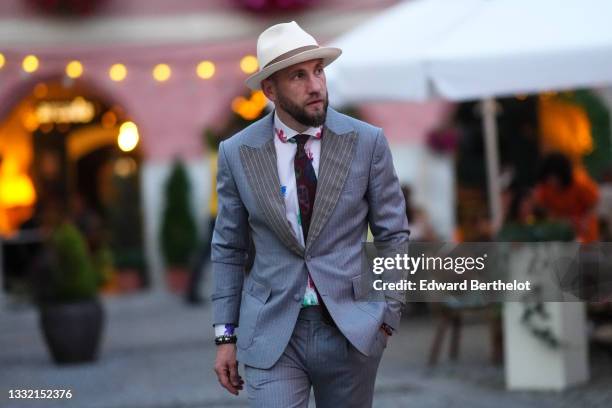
x=281, y=135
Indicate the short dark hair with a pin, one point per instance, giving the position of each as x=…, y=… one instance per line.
x=272, y=77
x=559, y=166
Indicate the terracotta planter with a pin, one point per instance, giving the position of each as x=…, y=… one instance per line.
x=177, y=279
x=128, y=281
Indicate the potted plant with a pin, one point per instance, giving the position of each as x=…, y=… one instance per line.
x=178, y=232
x=71, y=314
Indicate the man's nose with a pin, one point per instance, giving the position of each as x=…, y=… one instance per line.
x=315, y=84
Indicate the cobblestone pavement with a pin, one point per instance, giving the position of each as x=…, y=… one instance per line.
x=157, y=353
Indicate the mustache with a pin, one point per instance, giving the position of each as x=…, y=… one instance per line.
x=316, y=98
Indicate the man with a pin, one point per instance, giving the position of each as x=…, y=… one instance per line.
x=302, y=184
x=192, y=295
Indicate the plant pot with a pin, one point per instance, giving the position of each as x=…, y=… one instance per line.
x=177, y=279
x=129, y=281
x=73, y=331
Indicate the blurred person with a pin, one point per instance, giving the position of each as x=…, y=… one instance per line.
x=49, y=216
x=476, y=228
x=604, y=208
x=482, y=228
x=527, y=221
x=418, y=222
x=304, y=182
x=523, y=208
x=193, y=295
x=569, y=193
x=84, y=216
x=91, y=224
x=420, y=231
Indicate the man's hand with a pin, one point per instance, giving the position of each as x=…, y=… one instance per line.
x=388, y=330
x=226, y=368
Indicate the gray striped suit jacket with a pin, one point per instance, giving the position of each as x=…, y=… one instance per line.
x=357, y=186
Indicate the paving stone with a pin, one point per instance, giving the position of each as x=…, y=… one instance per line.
x=158, y=353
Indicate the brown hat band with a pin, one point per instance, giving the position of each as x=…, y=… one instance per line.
x=291, y=54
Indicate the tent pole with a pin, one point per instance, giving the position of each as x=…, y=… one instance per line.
x=492, y=157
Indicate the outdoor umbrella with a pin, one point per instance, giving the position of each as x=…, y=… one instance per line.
x=475, y=49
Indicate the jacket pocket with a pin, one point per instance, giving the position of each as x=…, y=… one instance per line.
x=257, y=290
x=365, y=297
x=254, y=297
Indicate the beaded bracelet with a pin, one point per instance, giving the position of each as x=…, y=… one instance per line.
x=226, y=339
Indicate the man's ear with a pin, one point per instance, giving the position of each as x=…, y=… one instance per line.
x=268, y=88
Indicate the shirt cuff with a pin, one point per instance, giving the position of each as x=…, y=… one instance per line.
x=224, y=329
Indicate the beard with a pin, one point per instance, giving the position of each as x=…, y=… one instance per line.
x=300, y=114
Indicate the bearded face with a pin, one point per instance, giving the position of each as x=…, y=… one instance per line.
x=301, y=92
x=310, y=114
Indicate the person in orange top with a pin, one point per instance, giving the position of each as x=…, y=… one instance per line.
x=569, y=193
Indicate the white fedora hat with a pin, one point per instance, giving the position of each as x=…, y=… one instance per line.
x=286, y=44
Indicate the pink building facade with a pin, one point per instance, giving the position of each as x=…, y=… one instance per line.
x=171, y=115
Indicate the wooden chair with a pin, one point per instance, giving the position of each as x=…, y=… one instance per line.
x=451, y=317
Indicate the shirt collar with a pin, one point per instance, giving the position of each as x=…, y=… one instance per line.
x=284, y=133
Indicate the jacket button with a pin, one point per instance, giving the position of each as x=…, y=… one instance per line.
x=297, y=297
x=308, y=257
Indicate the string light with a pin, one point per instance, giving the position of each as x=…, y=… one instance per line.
x=30, y=63
x=206, y=69
x=74, y=69
x=128, y=136
x=248, y=64
x=248, y=108
x=162, y=72
x=117, y=72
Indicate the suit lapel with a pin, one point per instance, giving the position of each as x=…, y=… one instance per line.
x=334, y=165
x=260, y=167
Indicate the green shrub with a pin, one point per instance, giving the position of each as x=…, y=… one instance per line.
x=178, y=232
x=73, y=274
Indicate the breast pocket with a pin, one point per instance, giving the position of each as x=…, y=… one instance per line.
x=254, y=297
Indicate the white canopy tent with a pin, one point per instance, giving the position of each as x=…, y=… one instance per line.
x=475, y=49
